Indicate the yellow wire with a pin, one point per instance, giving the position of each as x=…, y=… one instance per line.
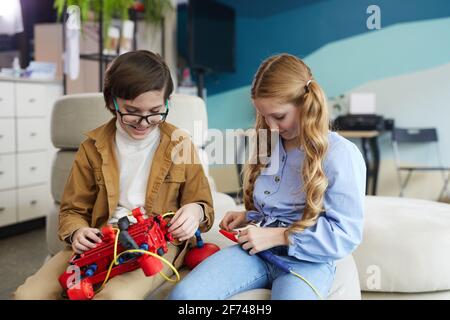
x=106, y=278
x=168, y=214
x=160, y=258
x=167, y=278
x=308, y=283
x=116, y=240
x=115, y=243
x=116, y=257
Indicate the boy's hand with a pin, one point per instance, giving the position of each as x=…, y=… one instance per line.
x=186, y=221
x=84, y=239
x=233, y=219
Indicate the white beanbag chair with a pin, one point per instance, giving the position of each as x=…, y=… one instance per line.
x=405, y=247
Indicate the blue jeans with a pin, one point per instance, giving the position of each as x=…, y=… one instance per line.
x=232, y=270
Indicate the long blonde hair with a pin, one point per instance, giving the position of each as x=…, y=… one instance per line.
x=285, y=78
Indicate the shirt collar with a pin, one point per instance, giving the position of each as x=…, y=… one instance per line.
x=124, y=140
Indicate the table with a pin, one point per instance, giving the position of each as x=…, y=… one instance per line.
x=369, y=140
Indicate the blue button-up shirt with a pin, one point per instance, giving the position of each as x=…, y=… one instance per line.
x=279, y=200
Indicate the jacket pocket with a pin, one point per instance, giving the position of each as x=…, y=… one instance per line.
x=175, y=175
x=169, y=193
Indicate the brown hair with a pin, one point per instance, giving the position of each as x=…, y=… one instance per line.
x=133, y=73
x=286, y=78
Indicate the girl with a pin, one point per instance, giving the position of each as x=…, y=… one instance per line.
x=127, y=163
x=310, y=206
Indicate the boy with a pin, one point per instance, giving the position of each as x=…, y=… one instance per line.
x=123, y=164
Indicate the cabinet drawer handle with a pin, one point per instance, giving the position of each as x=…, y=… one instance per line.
x=2, y=209
x=33, y=134
x=1, y=99
x=33, y=202
x=1, y=136
x=1, y=172
x=33, y=168
x=31, y=100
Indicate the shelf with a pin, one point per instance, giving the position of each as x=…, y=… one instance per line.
x=96, y=57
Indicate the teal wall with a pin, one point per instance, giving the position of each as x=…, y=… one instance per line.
x=331, y=36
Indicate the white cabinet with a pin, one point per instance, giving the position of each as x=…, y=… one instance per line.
x=32, y=201
x=32, y=135
x=32, y=168
x=25, y=148
x=31, y=100
x=7, y=171
x=8, y=207
x=7, y=99
x=7, y=135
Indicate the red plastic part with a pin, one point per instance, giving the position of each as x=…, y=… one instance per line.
x=138, y=213
x=108, y=233
x=150, y=265
x=197, y=255
x=63, y=280
x=229, y=234
x=82, y=291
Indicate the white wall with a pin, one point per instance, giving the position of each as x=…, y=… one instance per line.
x=419, y=99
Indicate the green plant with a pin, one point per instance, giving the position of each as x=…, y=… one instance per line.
x=154, y=11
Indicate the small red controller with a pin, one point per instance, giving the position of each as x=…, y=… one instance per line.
x=229, y=234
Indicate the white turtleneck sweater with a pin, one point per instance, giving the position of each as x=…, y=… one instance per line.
x=134, y=158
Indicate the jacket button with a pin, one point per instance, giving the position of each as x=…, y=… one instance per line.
x=277, y=179
x=99, y=178
x=266, y=192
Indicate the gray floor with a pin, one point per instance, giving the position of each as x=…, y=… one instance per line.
x=20, y=257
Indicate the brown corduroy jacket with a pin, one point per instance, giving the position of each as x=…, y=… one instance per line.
x=91, y=193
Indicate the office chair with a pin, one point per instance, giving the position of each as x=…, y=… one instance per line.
x=417, y=136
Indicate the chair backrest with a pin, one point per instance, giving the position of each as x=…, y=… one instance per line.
x=72, y=116
x=189, y=113
x=414, y=135
x=75, y=114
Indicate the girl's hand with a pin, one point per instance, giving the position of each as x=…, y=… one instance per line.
x=84, y=239
x=233, y=219
x=257, y=239
x=186, y=221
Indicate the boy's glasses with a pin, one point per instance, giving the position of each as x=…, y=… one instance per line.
x=135, y=119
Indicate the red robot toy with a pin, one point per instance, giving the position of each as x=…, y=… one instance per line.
x=123, y=249
x=127, y=248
